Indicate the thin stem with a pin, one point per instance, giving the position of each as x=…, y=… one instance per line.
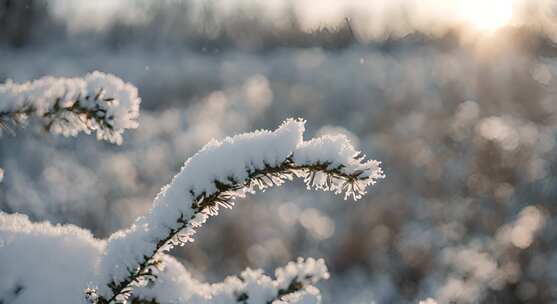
x=294, y=286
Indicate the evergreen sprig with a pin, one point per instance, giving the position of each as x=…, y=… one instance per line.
x=90, y=118
x=224, y=197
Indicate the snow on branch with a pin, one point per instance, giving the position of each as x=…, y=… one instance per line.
x=43, y=261
x=292, y=283
x=72, y=255
x=215, y=177
x=97, y=102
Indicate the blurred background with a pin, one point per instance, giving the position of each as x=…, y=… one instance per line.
x=457, y=98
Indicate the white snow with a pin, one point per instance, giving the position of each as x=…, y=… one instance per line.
x=176, y=284
x=44, y=261
x=117, y=100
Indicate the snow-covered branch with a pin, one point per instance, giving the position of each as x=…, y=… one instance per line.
x=291, y=284
x=73, y=254
x=215, y=177
x=97, y=102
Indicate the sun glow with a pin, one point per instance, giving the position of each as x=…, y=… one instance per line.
x=487, y=15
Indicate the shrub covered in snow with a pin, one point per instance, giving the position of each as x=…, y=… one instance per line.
x=132, y=264
x=44, y=261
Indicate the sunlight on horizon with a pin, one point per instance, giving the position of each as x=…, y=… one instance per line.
x=370, y=20
x=487, y=15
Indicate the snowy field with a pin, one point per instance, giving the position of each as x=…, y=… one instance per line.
x=355, y=152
